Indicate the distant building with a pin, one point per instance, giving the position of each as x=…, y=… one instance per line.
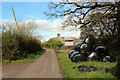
x=69, y=42
x=59, y=38
x=72, y=41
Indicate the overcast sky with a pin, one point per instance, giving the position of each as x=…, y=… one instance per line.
x=33, y=11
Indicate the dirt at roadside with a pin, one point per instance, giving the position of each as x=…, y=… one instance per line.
x=62, y=51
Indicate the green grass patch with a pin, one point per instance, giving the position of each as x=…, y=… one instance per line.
x=65, y=49
x=30, y=57
x=67, y=68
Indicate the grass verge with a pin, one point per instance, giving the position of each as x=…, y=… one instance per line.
x=30, y=57
x=69, y=72
x=64, y=49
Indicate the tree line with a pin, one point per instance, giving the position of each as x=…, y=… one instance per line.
x=52, y=43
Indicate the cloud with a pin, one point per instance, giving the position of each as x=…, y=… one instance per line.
x=49, y=29
x=75, y=34
x=46, y=25
x=5, y=21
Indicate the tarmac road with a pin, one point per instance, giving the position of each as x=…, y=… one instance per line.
x=46, y=66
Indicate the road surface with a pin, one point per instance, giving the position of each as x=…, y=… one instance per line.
x=46, y=66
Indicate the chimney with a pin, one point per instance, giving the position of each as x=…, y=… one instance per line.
x=58, y=35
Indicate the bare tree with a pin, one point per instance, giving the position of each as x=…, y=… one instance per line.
x=100, y=17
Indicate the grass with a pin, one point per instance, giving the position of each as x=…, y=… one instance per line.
x=65, y=49
x=30, y=57
x=69, y=72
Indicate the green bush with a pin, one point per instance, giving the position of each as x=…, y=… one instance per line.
x=19, y=44
x=10, y=45
x=112, y=44
x=52, y=43
x=115, y=70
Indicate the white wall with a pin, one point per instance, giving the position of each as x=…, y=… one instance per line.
x=68, y=43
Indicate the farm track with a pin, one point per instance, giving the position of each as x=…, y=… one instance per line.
x=46, y=66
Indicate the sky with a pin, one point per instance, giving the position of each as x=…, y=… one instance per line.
x=33, y=11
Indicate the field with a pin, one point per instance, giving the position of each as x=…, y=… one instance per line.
x=69, y=72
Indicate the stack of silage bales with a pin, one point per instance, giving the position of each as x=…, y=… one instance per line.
x=88, y=50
